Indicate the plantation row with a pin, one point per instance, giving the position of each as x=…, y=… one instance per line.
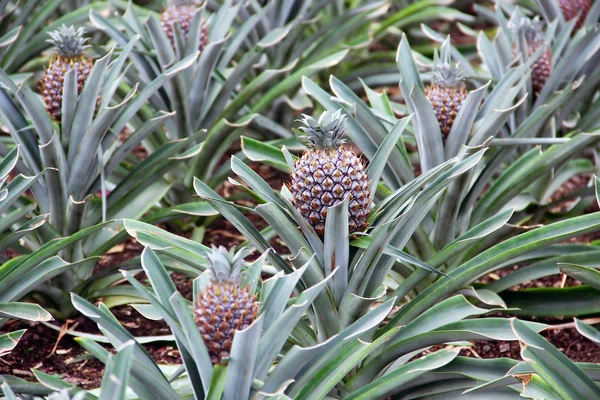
x=311, y=199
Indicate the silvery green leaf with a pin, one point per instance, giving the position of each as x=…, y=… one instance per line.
x=113, y=78
x=298, y=360
x=377, y=164
x=275, y=337
x=86, y=106
x=254, y=181
x=588, y=331
x=337, y=248
x=204, y=69
x=195, y=342
x=427, y=128
x=356, y=307
x=555, y=368
x=240, y=222
x=7, y=391
x=222, y=20
x=391, y=383
x=356, y=133
x=463, y=124
x=22, y=230
x=30, y=102
x=278, y=290
x=239, y=38
x=242, y=361
x=69, y=105
x=137, y=380
x=136, y=137
x=26, y=311
x=142, y=97
x=145, y=372
x=116, y=373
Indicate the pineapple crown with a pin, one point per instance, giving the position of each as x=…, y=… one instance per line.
x=68, y=42
x=226, y=266
x=531, y=28
x=446, y=74
x=326, y=133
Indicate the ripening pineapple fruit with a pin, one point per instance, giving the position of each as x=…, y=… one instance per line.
x=446, y=94
x=181, y=13
x=327, y=172
x=225, y=306
x=572, y=8
x=543, y=65
x=69, y=44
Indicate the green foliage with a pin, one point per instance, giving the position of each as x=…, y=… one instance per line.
x=382, y=313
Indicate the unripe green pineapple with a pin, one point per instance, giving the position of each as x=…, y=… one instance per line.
x=225, y=306
x=181, y=13
x=327, y=172
x=69, y=44
x=446, y=94
x=572, y=8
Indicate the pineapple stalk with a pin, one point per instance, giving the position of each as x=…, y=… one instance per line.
x=328, y=172
x=70, y=45
x=225, y=306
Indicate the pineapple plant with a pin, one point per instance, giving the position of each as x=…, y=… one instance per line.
x=328, y=172
x=181, y=13
x=225, y=306
x=70, y=45
x=573, y=8
x=446, y=93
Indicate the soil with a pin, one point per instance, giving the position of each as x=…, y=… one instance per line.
x=36, y=349
x=568, y=341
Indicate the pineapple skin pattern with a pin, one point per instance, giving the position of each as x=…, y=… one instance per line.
x=328, y=172
x=224, y=306
x=182, y=15
x=446, y=102
x=446, y=93
x=572, y=8
x=541, y=69
x=69, y=44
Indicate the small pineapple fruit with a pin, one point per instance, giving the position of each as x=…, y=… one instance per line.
x=328, y=172
x=69, y=44
x=225, y=306
x=446, y=94
x=572, y=8
x=181, y=13
x=543, y=65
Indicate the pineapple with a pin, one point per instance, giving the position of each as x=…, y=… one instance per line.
x=543, y=65
x=446, y=94
x=181, y=12
x=327, y=172
x=69, y=44
x=572, y=8
x=224, y=306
